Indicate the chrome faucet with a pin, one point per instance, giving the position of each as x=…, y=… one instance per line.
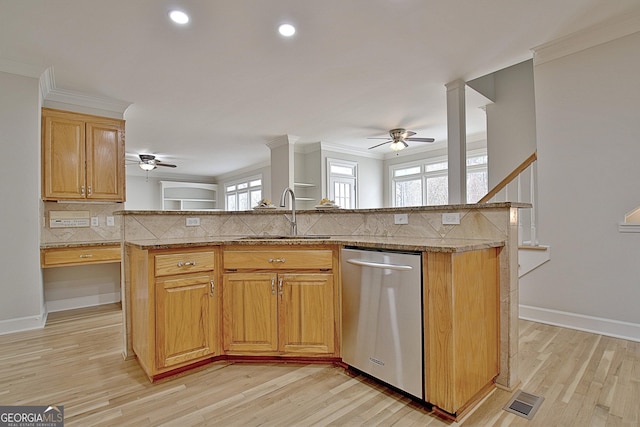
x=292, y=220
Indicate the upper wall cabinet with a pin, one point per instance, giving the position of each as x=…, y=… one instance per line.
x=82, y=157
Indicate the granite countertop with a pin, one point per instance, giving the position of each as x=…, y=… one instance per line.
x=60, y=245
x=379, y=242
x=496, y=205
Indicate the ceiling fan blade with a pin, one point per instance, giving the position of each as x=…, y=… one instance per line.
x=375, y=137
x=420, y=139
x=408, y=133
x=168, y=165
x=386, y=142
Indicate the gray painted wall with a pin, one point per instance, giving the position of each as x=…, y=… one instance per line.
x=21, y=305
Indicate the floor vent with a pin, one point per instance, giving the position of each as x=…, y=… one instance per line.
x=524, y=404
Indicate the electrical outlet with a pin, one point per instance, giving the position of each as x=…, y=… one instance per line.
x=451, y=218
x=193, y=222
x=401, y=219
x=94, y=221
x=111, y=221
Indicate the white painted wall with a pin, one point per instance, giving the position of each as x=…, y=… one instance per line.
x=588, y=128
x=511, y=120
x=67, y=288
x=143, y=193
x=21, y=305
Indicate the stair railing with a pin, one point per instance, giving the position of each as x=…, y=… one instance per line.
x=520, y=186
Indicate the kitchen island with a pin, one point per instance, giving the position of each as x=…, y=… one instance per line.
x=462, y=278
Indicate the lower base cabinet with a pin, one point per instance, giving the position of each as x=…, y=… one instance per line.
x=185, y=319
x=271, y=313
x=283, y=302
x=175, y=307
x=461, y=327
x=280, y=301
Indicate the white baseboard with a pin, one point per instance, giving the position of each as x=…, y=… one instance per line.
x=28, y=323
x=596, y=325
x=81, y=302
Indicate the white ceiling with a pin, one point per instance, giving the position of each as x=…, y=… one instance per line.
x=209, y=96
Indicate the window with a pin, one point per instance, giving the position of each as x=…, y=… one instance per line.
x=243, y=195
x=426, y=183
x=343, y=178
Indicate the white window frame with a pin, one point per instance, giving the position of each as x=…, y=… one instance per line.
x=247, y=190
x=350, y=179
x=423, y=175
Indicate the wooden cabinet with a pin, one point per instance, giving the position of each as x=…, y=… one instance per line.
x=279, y=301
x=461, y=326
x=250, y=312
x=175, y=307
x=64, y=257
x=82, y=157
x=184, y=319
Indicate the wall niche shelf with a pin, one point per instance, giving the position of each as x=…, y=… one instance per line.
x=302, y=195
x=188, y=196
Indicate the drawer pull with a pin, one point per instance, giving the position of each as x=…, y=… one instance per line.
x=86, y=255
x=272, y=260
x=273, y=286
x=212, y=288
x=186, y=263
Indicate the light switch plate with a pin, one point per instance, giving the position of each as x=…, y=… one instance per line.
x=451, y=218
x=94, y=221
x=401, y=219
x=111, y=221
x=193, y=222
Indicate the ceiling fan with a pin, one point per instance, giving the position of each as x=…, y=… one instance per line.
x=149, y=162
x=399, y=138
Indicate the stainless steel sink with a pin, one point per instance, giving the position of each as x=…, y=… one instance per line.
x=264, y=237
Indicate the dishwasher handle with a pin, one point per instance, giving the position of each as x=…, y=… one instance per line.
x=379, y=265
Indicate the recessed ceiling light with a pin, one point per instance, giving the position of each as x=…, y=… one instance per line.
x=287, y=30
x=179, y=17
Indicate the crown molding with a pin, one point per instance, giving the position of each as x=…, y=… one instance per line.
x=592, y=36
x=281, y=140
x=52, y=93
x=348, y=150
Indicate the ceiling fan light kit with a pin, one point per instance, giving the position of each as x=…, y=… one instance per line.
x=399, y=138
x=149, y=162
x=146, y=166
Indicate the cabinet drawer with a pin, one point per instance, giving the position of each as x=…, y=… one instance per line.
x=59, y=257
x=278, y=260
x=183, y=262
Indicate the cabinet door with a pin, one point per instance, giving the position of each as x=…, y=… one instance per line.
x=185, y=319
x=105, y=161
x=249, y=312
x=63, y=158
x=306, y=313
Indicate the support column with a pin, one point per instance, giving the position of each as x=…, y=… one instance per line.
x=457, y=142
x=282, y=164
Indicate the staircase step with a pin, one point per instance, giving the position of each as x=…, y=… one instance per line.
x=531, y=257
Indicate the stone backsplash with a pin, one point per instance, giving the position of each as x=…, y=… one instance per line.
x=100, y=233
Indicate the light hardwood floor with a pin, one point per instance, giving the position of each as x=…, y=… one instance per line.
x=75, y=361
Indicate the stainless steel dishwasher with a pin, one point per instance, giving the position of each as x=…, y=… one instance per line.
x=382, y=316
